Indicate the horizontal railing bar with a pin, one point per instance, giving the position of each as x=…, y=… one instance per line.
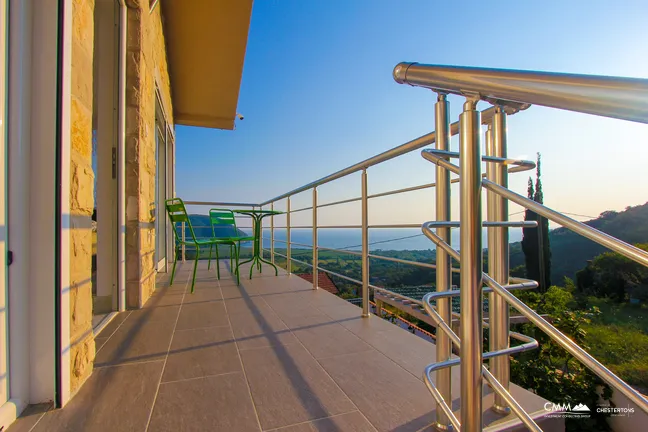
x=340, y=250
x=227, y=204
x=402, y=261
x=407, y=189
x=301, y=209
x=301, y=244
x=393, y=294
x=412, y=145
x=339, y=226
x=414, y=225
x=293, y=243
x=339, y=202
x=301, y=262
x=340, y=275
x=615, y=97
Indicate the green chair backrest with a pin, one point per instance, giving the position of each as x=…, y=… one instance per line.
x=223, y=223
x=177, y=214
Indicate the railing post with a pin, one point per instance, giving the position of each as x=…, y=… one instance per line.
x=498, y=255
x=183, y=241
x=288, y=259
x=272, y=256
x=315, y=272
x=471, y=267
x=443, y=261
x=365, y=246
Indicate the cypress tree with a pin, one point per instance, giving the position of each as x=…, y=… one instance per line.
x=535, y=241
x=530, y=240
x=542, y=232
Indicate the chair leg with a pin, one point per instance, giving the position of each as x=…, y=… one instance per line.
x=237, y=251
x=238, y=277
x=193, y=280
x=217, y=262
x=175, y=260
x=209, y=262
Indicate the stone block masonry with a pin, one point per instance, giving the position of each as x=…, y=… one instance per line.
x=82, y=347
x=146, y=71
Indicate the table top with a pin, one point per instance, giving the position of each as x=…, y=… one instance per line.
x=259, y=212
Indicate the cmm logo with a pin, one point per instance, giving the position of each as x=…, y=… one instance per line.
x=566, y=410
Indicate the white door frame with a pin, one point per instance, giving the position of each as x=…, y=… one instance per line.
x=4, y=311
x=39, y=357
x=108, y=108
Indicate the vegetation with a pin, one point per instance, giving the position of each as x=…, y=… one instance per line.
x=616, y=277
x=552, y=372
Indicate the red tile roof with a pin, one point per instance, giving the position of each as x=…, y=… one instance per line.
x=323, y=281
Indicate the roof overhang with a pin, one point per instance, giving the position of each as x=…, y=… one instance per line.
x=206, y=42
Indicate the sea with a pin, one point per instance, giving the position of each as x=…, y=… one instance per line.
x=379, y=239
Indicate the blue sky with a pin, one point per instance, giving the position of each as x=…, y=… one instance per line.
x=318, y=95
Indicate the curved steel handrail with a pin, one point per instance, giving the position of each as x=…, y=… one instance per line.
x=615, y=97
x=529, y=344
x=567, y=344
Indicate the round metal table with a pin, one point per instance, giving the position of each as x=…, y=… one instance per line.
x=257, y=216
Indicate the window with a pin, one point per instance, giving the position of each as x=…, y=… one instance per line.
x=163, y=185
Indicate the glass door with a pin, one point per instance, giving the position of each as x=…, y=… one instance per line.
x=104, y=159
x=161, y=188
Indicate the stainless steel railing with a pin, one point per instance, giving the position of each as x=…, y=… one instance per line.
x=621, y=98
x=509, y=92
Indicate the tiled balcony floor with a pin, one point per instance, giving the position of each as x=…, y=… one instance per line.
x=272, y=354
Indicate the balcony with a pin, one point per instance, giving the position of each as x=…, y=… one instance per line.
x=270, y=354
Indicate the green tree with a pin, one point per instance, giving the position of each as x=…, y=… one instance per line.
x=614, y=276
x=552, y=372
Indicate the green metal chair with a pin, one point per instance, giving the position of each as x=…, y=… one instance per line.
x=178, y=214
x=225, y=232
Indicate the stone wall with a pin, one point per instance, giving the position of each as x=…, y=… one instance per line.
x=146, y=69
x=81, y=194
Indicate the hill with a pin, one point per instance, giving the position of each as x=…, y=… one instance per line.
x=570, y=251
